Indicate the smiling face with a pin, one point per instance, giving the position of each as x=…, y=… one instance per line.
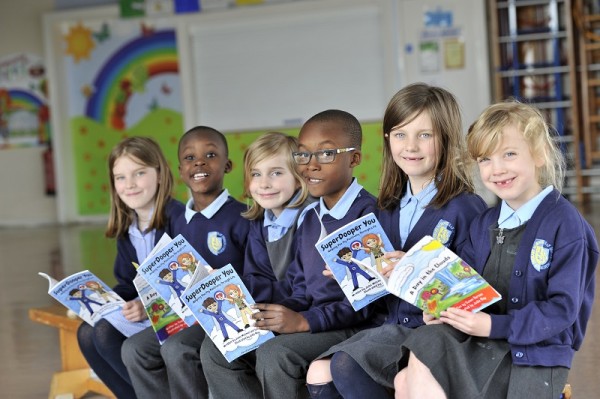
x=203, y=163
x=414, y=150
x=272, y=184
x=510, y=171
x=135, y=184
x=330, y=180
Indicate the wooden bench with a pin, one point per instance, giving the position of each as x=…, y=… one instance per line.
x=76, y=378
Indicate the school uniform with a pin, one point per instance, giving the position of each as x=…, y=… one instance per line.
x=101, y=344
x=277, y=369
x=268, y=255
x=174, y=369
x=377, y=350
x=549, y=262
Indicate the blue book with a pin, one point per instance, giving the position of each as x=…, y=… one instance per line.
x=223, y=306
x=354, y=254
x=172, y=265
x=91, y=299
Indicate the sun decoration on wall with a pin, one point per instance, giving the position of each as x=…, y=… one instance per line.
x=80, y=42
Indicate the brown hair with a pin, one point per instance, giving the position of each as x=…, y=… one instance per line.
x=452, y=176
x=145, y=151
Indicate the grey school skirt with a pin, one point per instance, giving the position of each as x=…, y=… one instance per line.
x=377, y=350
x=475, y=367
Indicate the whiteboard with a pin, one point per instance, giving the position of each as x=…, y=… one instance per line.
x=277, y=69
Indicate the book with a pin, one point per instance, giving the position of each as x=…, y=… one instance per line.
x=91, y=299
x=223, y=306
x=354, y=254
x=434, y=278
x=169, y=268
x=164, y=321
x=429, y=275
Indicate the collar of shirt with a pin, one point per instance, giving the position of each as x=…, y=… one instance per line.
x=412, y=208
x=340, y=209
x=286, y=217
x=509, y=218
x=143, y=243
x=210, y=210
x=423, y=198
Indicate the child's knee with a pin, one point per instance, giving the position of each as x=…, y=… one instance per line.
x=319, y=372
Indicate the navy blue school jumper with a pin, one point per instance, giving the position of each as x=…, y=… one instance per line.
x=222, y=238
x=377, y=350
x=266, y=262
x=101, y=345
x=548, y=306
x=277, y=369
x=174, y=369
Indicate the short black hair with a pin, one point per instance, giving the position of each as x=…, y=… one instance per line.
x=344, y=251
x=347, y=122
x=203, y=130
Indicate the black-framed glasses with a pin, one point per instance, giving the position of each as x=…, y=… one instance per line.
x=322, y=156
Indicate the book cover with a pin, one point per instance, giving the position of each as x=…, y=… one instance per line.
x=92, y=299
x=169, y=268
x=222, y=305
x=354, y=254
x=164, y=321
x=433, y=278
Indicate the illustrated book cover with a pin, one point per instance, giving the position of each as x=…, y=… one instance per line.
x=433, y=278
x=222, y=305
x=169, y=268
x=91, y=299
x=354, y=254
x=165, y=322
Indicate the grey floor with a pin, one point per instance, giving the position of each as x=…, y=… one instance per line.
x=30, y=353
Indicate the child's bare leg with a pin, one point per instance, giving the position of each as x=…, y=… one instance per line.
x=416, y=381
x=319, y=372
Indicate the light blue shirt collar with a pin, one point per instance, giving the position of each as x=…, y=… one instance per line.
x=341, y=208
x=509, y=218
x=142, y=243
x=285, y=219
x=210, y=210
x=412, y=207
x=423, y=198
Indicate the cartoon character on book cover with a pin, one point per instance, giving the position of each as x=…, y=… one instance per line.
x=169, y=269
x=223, y=306
x=354, y=254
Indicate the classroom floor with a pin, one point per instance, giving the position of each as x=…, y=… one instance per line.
x=30, y=353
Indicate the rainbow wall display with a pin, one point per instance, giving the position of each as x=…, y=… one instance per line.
x=123, y=80
x=24, y=111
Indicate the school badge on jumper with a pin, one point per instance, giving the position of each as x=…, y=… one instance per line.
x=216, y=242
x=541, y=254
x=443, y=231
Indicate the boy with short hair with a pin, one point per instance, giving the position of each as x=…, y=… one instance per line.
x=213, y=226
x=315, y=314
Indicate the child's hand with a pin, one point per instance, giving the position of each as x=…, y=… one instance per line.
x=394, y=256
x=279, y=319
x=327, y=271
x=430, y=319
x=134, y=310
x=476, y=324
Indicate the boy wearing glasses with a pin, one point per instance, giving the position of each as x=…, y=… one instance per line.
x=314, y=314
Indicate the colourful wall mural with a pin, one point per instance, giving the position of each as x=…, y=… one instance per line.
x=24, y=111
x=123, y=80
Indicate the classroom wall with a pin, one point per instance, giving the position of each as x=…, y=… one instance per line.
x=23, y=199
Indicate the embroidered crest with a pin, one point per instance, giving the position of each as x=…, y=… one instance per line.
x=443, y=231
x=216, y=242
x=541, y=254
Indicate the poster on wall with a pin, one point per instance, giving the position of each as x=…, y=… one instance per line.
x=122, y=80
x=24, y=111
